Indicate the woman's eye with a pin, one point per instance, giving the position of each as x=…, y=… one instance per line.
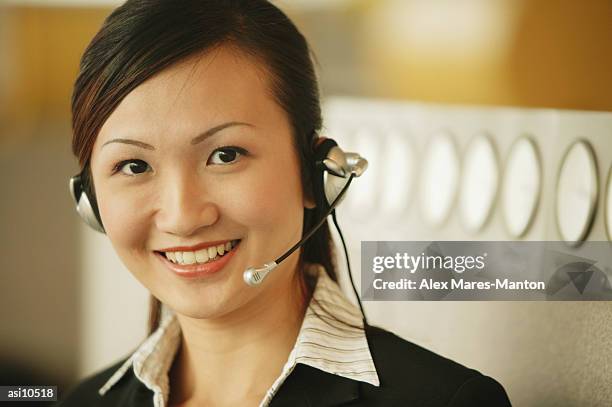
x=226, y=155
x=131, y=167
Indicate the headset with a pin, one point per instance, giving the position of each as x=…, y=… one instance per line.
x=334, y=171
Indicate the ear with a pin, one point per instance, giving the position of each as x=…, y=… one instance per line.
x=309, y=203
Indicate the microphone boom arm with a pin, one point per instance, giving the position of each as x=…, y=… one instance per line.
x=254, y=276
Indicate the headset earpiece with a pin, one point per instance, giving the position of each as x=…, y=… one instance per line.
x=331, y=172
x=86, y=207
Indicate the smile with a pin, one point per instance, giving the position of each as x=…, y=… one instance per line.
x=202, y=256
x=199, y=263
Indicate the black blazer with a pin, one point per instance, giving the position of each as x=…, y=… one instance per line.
x=409, y=376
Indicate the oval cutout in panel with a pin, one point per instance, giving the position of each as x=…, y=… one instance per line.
x=522, y=186
x=438, y=185
x=399, y=162
x=364, y=193
x=479, y=183
x=577, y=192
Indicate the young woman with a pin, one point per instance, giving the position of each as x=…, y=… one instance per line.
x=195, y=123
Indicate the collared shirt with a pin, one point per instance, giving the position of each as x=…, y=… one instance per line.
x=329, y=346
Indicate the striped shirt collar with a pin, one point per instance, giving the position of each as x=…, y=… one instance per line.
x=331, y=347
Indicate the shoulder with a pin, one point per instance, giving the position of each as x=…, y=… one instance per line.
x=412, y=373
x=85, y=392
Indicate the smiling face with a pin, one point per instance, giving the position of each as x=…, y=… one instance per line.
x=175, y=182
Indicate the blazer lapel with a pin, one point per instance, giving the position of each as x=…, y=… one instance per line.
x=307, y=386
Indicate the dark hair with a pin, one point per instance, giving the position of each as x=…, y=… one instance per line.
x=143, y=37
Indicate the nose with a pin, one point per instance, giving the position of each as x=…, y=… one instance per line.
x=185, y=206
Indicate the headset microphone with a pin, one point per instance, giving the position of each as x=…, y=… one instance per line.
x=254, y=276
x=332, y=166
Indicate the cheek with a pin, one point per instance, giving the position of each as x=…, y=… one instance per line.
x=266, y=197
x=123, y=222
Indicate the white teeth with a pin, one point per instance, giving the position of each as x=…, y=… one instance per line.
x=189, y=258
x=201, y=256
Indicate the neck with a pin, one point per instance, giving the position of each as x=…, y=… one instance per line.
x=238, y=357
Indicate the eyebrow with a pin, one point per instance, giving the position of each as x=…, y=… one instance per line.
x=197, y=139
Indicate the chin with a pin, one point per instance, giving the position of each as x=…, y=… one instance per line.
x=194, y=306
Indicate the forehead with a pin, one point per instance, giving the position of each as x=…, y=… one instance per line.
x=222, y=84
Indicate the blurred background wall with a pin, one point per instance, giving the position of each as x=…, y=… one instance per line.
x=64, y=293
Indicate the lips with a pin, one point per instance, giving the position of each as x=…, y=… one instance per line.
x=201, y=256
x=198, y=269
